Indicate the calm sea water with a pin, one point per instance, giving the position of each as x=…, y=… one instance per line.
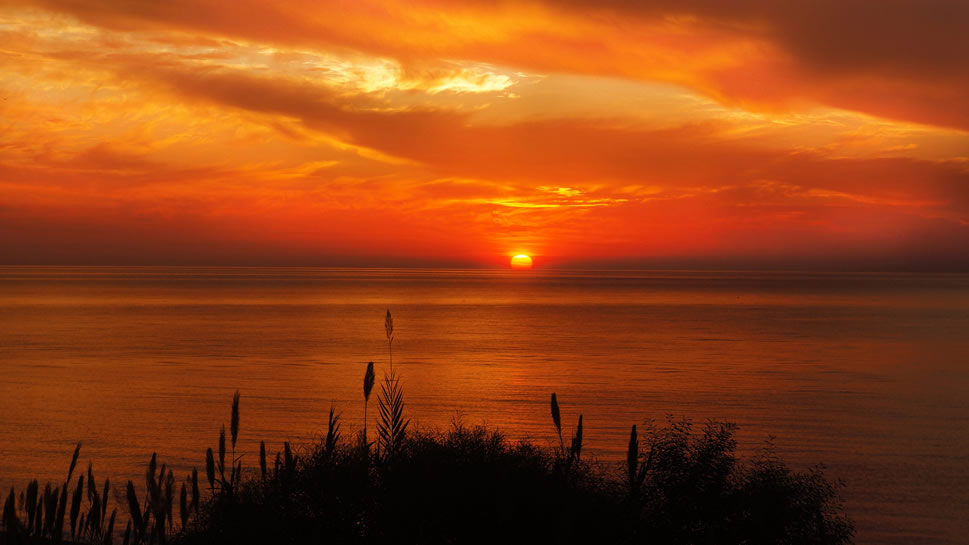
x=865, y=373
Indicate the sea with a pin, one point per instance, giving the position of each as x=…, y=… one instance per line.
x=863, y=374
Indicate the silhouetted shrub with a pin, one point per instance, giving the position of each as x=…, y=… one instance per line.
x=471, y=485
x=465, y=485
x=695, y=490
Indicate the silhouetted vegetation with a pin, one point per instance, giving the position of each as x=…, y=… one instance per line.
x=462, y=485
x=678, y=485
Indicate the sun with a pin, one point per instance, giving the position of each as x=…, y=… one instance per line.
x=521, y=261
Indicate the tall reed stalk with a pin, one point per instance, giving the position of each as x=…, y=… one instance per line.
x=572, y=456
x=368, y=380
x=389, y=328
x=392, y=426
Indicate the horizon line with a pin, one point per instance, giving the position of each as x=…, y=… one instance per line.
x=833, y=268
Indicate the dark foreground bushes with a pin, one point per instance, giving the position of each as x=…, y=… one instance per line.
x=470, y=485
x=679, y=485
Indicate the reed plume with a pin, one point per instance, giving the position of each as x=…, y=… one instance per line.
x=368, y=380
x=195, y=490
x=557, y=420
x=94, y=516
x=10, y=521
x=110, y=531
x=636, y=471
x=228, y=485
x=70, y=472
x=134, y=510
x=236, y=473
x=234, y=426
x=170, y=498
x=210, y=467
x=49, y=509
x=262, y=459
x=183, y=505
x=76, y=504
x=332, y=432
x=58, y=530
x=39, y=512
x=290, y=461
x=104, y=495
x=632, y=457
x=30, y=502
x=222, y=453
x=90, y=482
x=389, y=328
x=575, y=452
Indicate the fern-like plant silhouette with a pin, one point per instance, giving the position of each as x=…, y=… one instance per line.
x=392, y=427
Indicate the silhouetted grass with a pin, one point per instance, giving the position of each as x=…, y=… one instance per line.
x=472, y=485
x=679, y=484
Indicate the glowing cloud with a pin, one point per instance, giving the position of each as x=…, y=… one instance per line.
x=275, y=132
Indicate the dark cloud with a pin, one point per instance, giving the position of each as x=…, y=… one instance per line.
x=917, y=38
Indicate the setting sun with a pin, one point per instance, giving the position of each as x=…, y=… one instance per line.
x=521, y=261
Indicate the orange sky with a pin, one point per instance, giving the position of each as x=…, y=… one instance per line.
x=697, y=132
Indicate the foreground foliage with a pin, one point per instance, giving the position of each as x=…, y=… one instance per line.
x=678, y=485
x=471, y=485
x=468, y=485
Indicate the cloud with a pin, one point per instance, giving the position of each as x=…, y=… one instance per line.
x=578, y=150
x=900, y=59
x=273, y=132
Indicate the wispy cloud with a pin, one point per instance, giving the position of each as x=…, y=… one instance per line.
x=616, y=130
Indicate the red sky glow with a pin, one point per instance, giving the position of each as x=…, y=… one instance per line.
x=377, y=132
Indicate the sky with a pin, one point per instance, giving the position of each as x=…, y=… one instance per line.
x=750, y=133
